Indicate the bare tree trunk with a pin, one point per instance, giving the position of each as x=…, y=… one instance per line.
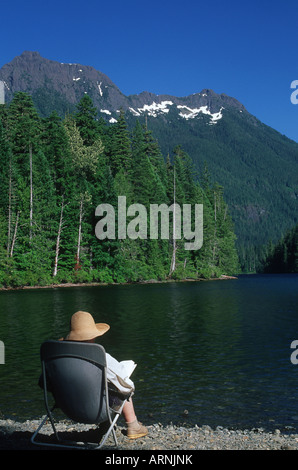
x=58, y=239
x=14, y=235
x=173, y=261
x=79, y=236
x=9, y=207
x=215, y=228
x=31, y=194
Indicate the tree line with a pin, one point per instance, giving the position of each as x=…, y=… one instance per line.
x=55, y=172
x=282, y=257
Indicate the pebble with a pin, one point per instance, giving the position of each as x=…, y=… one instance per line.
x=16, y=435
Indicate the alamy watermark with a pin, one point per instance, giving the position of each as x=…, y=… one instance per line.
x=294, y=358
x=294, y=94
x=2, y=353
x=137, y=227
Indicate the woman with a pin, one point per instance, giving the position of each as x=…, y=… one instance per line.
x=83, y=328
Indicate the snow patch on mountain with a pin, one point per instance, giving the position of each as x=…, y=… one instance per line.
x=189, y=113
x=186, y=112
x=99, y=88
x=153, y=109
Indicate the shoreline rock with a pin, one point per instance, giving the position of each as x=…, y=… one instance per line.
x=16, y=436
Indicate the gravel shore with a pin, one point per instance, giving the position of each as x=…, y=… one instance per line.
x=16, y=436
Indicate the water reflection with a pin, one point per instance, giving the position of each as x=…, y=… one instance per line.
x=218, y=349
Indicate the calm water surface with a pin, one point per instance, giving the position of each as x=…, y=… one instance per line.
x=218, y=349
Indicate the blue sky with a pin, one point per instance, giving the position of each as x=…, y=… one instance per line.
x=247, y=50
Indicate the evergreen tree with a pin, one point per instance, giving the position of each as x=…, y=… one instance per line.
x=142, y=172
x=85, y=160
x=6, y=178
x=120, y=147
x=86, y=121
x=283, y=257
x=24, y=127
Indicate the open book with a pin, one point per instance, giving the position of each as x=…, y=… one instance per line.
x=119, y=373
x=127, y=368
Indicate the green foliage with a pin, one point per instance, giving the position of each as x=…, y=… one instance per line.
x=283, y=257
x=256, y=165
x=55, y=172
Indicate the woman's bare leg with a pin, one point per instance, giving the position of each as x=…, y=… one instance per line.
x=128, y=411
x=134, y=428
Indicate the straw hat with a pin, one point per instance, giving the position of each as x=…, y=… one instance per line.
x=83, y=327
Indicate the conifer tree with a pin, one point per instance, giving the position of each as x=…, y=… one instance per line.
x=6, y=181
x=282, y=257
x=85, y=161
x=120, y=147
x=142, y=172
x=86, y=120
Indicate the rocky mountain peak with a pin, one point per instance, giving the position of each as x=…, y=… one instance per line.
x=33, y=74
x=52, y=81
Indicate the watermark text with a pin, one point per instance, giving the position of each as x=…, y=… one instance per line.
x=294, y=355
x=132, y=222
x=2, y=353
x=294, y=94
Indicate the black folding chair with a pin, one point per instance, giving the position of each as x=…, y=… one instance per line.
x=75, y=374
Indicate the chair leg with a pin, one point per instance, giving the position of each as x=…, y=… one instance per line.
x=50, y=417
x=112, y=426
x=72, y=445
x=33, y=438
x=111, y=429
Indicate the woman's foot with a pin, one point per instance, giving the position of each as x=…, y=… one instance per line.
x=136, y=430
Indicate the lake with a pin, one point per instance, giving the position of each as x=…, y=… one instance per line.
x=211, y=353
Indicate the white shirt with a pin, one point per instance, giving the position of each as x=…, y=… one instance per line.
x=118, y=373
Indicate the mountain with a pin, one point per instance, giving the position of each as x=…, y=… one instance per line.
x=256, y=165
x=60, y=86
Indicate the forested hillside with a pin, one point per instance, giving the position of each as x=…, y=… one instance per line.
x=257, y=167
x=255, y=164
x=283, y=256
x=55, y=172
